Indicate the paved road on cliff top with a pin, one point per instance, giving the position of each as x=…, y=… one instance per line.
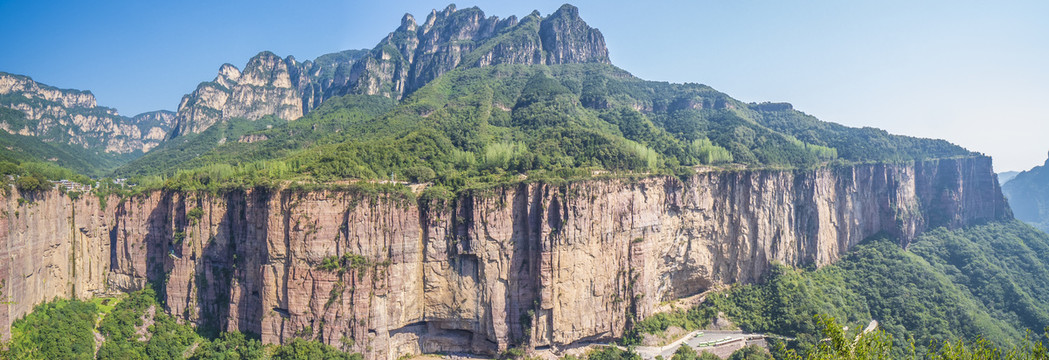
x=709, y=340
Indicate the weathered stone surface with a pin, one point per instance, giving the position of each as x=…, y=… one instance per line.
x=532, y=264
x=567, y=39
x=51, y=246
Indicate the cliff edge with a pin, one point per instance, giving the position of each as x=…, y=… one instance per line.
x=535, y=264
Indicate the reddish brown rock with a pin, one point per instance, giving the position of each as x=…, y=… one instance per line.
x=536, y=264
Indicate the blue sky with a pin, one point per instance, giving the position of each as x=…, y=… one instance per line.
x=974, y=73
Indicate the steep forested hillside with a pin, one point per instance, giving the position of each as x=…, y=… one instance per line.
x=983, y=282
x=491, y=123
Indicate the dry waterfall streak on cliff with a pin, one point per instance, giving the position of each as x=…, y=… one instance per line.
x=549, y=265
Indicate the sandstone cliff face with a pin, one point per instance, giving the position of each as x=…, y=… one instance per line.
x=406, y=60
x=73, y=117
x=529, y=264
x=51, y=246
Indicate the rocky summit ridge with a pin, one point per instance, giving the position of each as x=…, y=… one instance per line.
x=405, y=60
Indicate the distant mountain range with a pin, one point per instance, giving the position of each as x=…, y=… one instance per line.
x=1028, y=194
x=407, y=59
x=1006, y=176
x=79, y=133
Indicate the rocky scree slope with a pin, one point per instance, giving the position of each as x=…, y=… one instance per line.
x=530, y=264
x=408, y=58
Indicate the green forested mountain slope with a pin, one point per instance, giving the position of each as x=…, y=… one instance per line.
x=30, y=160
x=986, y=281
x=491, y=99
x=240, y=141
x=71, y=120
x=21, y=148
x=502, y=120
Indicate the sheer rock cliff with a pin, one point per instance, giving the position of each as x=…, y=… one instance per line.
x=534, y=264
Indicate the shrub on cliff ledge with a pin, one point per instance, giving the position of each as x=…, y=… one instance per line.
x=348, y=261
x=31, y=183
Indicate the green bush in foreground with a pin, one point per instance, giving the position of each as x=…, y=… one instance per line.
x=837, y=343
x=56, y=330
x=63, y=329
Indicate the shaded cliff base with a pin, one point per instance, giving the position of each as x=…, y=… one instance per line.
x=538, y=265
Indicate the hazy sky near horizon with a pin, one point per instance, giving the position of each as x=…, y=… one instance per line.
x=974, y=73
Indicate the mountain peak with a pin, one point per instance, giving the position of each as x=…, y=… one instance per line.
x=568, y=10
x=405, y=60
x=568, y=39
x=408, y=22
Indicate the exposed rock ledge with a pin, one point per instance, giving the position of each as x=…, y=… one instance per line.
x=543, y=264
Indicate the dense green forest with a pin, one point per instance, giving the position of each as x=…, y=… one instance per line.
x=985, y=282
x=136, y=327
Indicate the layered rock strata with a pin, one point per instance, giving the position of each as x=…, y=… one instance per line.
x=533, y=264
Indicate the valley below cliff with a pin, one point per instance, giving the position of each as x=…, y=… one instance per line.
x=532, y=264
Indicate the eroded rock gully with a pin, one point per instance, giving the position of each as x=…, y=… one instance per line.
x=548, y=265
